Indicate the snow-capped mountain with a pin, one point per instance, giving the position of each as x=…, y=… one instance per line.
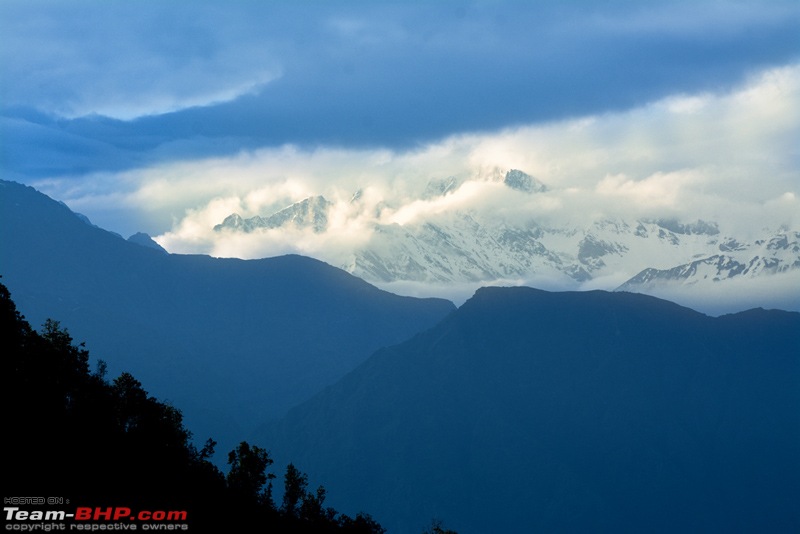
x=465, y=245
x=462, y=247
x=778, y=254
x=311, y=212
x=516, y=179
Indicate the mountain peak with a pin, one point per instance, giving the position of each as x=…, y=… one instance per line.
x=440, y=188
x=311, y=212
x=143, y=239
x=516, y=179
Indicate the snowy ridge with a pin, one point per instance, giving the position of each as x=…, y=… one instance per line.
x=311, y=212
x=779, y=254
x=463, y=245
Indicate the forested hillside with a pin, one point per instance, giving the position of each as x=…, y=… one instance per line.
x=104, y=443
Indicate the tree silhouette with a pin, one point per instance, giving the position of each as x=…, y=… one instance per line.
x=248, y=474
x=294, y=491
x=437, y=528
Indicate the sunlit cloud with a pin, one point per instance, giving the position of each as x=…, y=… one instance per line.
x=725, y=157
x=168, y=118
x=658, y=190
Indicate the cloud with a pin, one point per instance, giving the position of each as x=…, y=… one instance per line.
x=168, y=117
x=722, y=156
x=726, y=156
x=126, y=60
x=716, y=156
x=776, y=291
x=735, y=146
x=207, y=79
x=656, y=191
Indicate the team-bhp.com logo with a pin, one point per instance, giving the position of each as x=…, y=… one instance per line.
x=94, y=518
x=117, y=513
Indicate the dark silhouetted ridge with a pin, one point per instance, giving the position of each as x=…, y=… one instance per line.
x=531, y=411
x=233, y=342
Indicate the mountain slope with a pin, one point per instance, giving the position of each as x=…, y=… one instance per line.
x=529, y=411
x=776, y=255
x=230, y=341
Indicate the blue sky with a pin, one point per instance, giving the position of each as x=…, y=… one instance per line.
x=124, y=109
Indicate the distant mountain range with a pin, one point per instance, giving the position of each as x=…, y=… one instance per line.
x=530, y=411
x=231, y=342
x=521, y=411
x=457, y=246
x=776, y=255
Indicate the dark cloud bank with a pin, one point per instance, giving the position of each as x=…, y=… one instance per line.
x=392, y=76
